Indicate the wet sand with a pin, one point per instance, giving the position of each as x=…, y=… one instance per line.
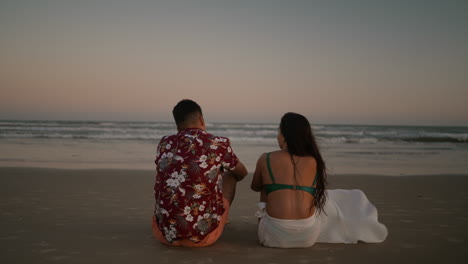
x=104, y=216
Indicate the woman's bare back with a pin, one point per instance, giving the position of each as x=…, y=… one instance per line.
x=287, y=203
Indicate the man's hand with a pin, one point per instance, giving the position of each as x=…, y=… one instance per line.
x=239, y=172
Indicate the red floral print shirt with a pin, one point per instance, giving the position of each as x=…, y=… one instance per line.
x=188, y=188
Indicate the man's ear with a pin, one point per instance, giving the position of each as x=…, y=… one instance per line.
x=202, y=122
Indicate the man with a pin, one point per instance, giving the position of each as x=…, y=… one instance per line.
x=196, y=178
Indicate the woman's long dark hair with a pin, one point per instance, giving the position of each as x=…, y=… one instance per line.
x=298, y=135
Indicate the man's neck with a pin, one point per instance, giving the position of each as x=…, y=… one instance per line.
x=189, y=127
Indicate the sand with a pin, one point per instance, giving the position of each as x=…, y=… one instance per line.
x=104, y=216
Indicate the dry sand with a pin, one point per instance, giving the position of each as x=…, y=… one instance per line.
x=104, y=216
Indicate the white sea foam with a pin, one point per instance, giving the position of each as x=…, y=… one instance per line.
x=122, y=144
x=244, y=132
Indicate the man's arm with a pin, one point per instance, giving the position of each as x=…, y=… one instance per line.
x=239, y=172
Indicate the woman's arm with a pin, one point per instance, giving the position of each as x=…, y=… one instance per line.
x=257, y=183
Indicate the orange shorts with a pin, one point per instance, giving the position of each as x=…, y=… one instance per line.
x=208, y=240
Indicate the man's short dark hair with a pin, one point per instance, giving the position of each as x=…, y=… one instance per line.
x=184, y=109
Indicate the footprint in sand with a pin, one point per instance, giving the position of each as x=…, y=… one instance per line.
x=409, y=246
x=41, y=244
x=406, y=221
x=402, y=210
x=7, y=213
x=58, y=258
x=48, y=250
x=448, y=213
x=9, y=238
x=454, y=240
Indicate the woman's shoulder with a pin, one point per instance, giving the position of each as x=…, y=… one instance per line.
x=279, y=153
x=309, y=160
x=280, y=157
x=272, y=154
x=284, y=156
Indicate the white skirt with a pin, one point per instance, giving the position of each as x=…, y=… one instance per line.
x=348, y=217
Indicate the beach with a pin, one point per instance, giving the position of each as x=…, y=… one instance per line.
x=93, y=91
x=104, y=216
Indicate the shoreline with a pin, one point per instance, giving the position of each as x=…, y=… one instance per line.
x=15, y=167
x=104, y=215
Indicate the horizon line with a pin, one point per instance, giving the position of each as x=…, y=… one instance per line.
x=234, y=122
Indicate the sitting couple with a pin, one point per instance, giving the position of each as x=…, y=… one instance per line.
x=196, y=181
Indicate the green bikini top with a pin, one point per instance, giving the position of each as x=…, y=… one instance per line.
x=277, y=186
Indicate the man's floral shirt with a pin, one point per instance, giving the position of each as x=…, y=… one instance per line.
x=188, y=188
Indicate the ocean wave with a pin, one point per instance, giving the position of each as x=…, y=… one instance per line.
x=436, y=139
x=241, y=132
x=343, y=139
x=90, y=137
x=260, y=140
x=246, y=137
x=374, y=140
x=393, y=153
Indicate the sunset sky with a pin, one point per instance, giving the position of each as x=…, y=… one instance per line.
x=351, y=62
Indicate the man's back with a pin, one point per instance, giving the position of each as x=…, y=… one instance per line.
x=188, y=189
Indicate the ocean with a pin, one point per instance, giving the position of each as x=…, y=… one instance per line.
x=347, y=149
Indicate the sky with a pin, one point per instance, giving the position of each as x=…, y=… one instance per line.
x=336, y=62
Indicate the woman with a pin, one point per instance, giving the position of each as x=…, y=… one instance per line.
x=295, y=210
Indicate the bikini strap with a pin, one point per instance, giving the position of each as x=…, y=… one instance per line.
x=269, y=167
x=315, y=180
